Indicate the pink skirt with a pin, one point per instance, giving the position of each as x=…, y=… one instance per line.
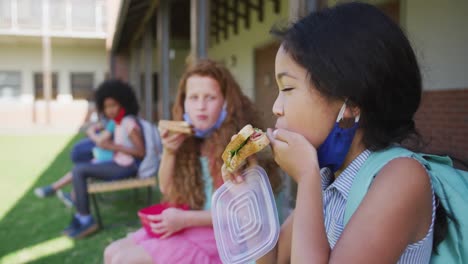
x=193, y=245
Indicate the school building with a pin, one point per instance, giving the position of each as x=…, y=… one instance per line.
x=153, y=40
x=149, y=43
x=52, y=55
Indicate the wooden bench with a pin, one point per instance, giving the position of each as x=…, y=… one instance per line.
x=98, y=187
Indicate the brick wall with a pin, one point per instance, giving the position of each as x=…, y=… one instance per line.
x=442, y=119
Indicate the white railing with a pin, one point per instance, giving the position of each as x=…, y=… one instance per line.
x=73, y=18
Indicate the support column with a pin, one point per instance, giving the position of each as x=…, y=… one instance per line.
x=199, y=16
x=46, y=60
x=111, y=58
x=163, y=48
x=65, y=93
x=301, y=8
x=99, y=77
x=141, y=69
x=138, y=84
x=135, y=71
x=27, y=87
x=148, y=51
x=14, y=14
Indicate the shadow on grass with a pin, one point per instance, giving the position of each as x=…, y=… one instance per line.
x=32, y=222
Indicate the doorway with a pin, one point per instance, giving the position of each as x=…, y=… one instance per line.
x=265, y=82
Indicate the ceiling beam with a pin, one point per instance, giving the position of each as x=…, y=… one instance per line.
x=121, y=18
x=144, y=22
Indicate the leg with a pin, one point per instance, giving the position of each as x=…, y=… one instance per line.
x=81, y=173
x=62, y=182
x=115, y=247
x=132, y=254
x=49, y=190
x=102, y=171
x=82, y=151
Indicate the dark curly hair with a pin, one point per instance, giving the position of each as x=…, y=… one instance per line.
x=120, y=91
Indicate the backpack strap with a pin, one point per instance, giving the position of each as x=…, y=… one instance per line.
x=139, y=124
x=449, y=184
x=366, y=174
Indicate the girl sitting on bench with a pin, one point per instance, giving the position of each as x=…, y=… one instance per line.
x=211, y=100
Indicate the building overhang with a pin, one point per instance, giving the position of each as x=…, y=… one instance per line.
x=133, y=16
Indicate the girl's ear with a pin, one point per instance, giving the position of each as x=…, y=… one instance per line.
x=352, y=112
x=356, y=111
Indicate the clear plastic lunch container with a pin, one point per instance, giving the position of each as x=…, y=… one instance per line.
x=245, y=219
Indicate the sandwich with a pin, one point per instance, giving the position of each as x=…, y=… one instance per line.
x=176, y=126
x=247, y=142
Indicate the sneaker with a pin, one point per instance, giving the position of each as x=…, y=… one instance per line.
x=45, y=191
x=65, y=198
x=83, y=230
x=75, y=223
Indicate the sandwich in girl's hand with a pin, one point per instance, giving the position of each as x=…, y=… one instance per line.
x=247, y=142
x=176, y=126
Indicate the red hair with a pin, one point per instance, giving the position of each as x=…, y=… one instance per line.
x=187, y=185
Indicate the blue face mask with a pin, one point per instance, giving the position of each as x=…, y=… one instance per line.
x=204, y=133
x=334, y=149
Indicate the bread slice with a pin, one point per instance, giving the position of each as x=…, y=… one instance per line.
x=184, y=130
x=167, y=123
x=176, y=126
x=247, y=150
x=243, y=146
x=240, y=138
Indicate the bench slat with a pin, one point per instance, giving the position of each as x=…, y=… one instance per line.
x=100, y=187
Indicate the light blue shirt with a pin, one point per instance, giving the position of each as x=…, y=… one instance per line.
x=100, y=154
x=208, y=181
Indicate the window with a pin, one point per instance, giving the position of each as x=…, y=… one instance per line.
x=10, y=84
x=5, y=14
x=39, y=85
x=57, y=14
x=82, y=85
x=83, y=15
x=29, y=14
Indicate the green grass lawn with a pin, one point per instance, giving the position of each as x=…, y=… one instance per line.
x=30, y=228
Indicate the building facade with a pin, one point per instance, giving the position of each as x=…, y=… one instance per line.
x=53, y=55
x=159, y=35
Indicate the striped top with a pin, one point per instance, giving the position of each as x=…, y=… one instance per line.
x=335, y=194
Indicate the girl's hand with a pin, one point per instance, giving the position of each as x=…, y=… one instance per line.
x=93, y=129
x=293, y=153
x=172, y=141
x=168, y=222
x=235, y=177
x=98, y=126
x=106, y=144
